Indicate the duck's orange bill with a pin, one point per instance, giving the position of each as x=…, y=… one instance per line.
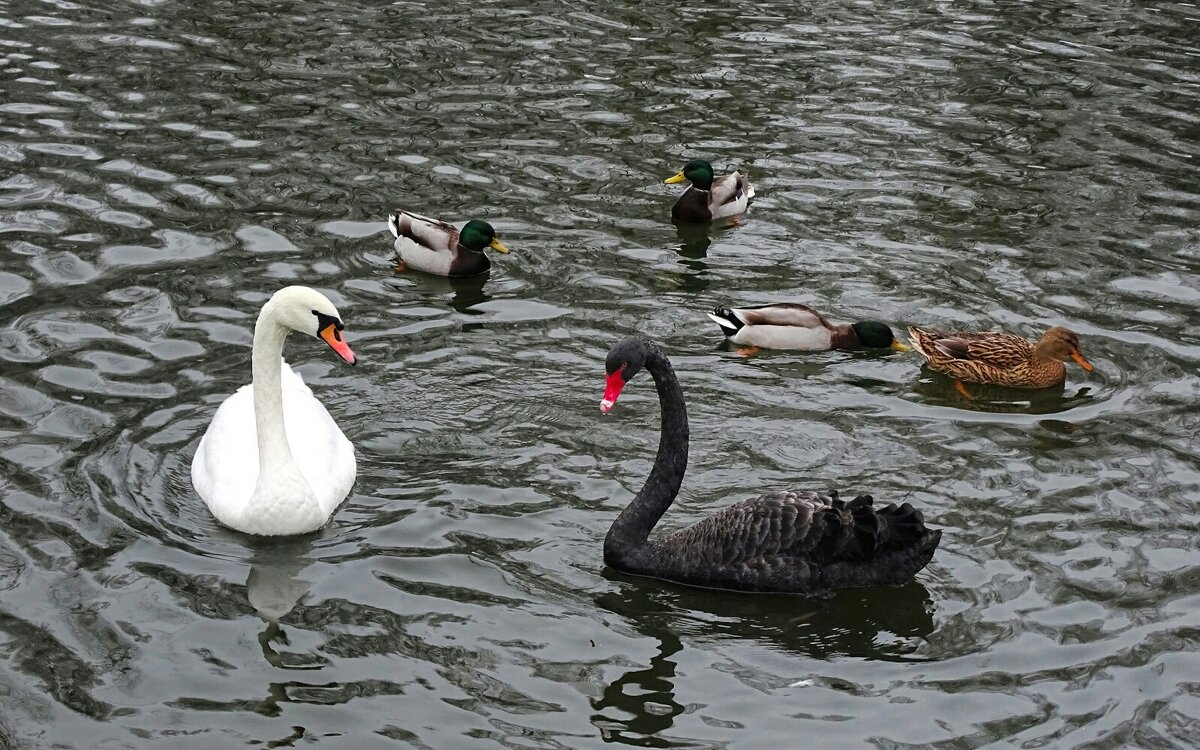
x=332, y=336
x=612, y=389
x=1082, y=361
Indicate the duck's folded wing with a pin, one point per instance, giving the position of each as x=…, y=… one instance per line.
x=729, y=189
x=782, y=314
x=431, y=233
x=1002, y=350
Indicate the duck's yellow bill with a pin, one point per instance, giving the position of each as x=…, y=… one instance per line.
x=900, y=347
x=1082, y=361
x=498, y=247
x=677, y=178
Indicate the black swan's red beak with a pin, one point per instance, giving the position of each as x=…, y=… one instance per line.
x=612, y=389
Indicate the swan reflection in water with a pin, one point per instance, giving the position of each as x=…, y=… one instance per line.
x=274, y=587
x=885, y=623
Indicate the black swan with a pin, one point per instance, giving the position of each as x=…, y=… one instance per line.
x=793, y=542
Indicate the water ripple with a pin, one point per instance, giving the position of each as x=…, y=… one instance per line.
x=977, y=164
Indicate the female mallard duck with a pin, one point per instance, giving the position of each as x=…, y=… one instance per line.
x=788, y=325
x=710, y=197
x=436, y=247
x=996, y=358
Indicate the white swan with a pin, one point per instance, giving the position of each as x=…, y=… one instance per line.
x=273, y=461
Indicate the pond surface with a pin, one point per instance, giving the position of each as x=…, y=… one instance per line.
x=165, y=166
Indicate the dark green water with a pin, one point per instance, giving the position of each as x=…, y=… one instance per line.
x=165, y=166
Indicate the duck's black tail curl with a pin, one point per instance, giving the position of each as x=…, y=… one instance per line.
x=727, y=319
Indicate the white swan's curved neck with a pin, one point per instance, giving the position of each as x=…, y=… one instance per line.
x=273, y=450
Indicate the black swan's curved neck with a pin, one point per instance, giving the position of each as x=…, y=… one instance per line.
x=632, y=528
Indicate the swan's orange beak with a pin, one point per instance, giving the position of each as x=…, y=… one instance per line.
x=612, y=389
x=332, y=336
x=1082, y=361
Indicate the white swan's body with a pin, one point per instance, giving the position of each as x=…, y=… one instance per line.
x=273, y=461
x=226, y=468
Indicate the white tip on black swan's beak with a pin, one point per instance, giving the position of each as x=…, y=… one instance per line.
x=612, y=390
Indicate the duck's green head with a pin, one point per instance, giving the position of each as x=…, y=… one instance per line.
x=477, y=235
x=697, y=171
x=876, y=335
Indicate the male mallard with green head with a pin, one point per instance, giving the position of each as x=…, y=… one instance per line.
x=436, y=247
x=789, y=325
x=710, y=197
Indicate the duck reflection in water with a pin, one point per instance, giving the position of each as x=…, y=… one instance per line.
x=885, y=623
x=941, y=390
x=464, y=293
x=694, y=240
x=468, y=293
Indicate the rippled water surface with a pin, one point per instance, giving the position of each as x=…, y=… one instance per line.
x=164, y=166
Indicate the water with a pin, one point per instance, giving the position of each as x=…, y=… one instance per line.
x=166, y=166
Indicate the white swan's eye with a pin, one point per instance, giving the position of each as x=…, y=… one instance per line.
x=329, y=330
x=324, y=321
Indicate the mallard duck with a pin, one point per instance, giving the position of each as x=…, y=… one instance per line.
x=710, y=197
x=997, y=358
x=436, y=247
x=788, y=325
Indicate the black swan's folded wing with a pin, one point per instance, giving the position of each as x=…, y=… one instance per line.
x=778, y=524
x=800, y=536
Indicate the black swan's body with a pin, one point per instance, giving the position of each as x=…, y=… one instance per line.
x=803, y=543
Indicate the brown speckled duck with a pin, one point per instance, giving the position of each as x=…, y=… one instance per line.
x=997, y=358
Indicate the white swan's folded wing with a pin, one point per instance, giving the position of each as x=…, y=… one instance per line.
x=324, y=454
